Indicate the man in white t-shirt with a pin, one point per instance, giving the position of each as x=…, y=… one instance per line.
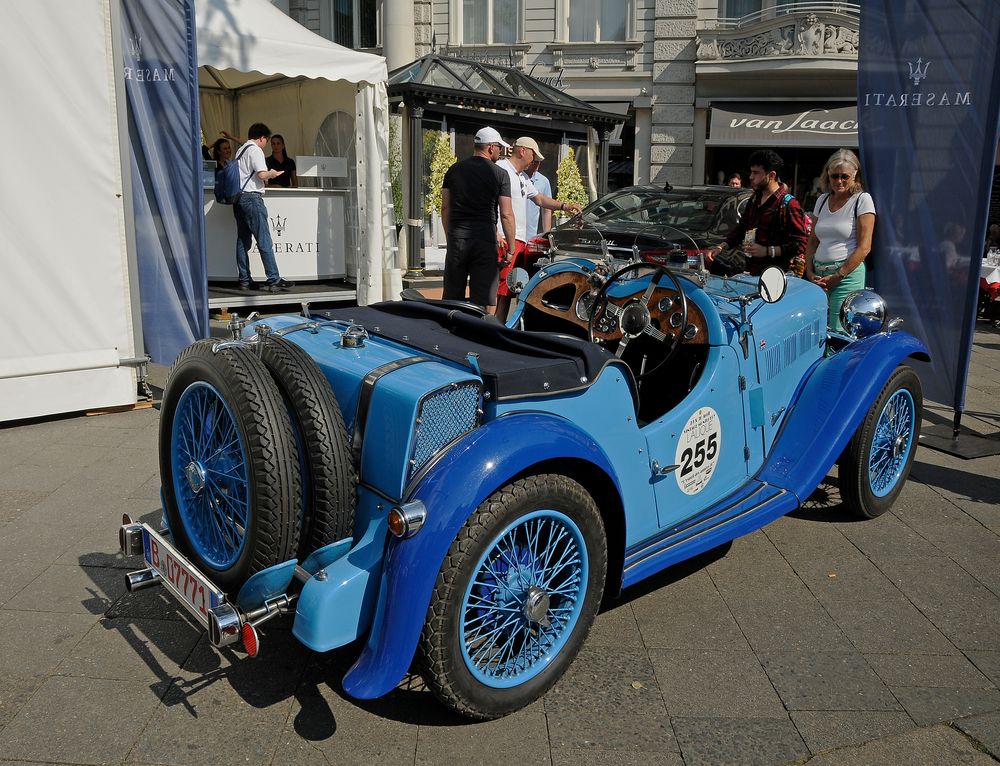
x=251, y=213
x=523, y=153
x=539, y=218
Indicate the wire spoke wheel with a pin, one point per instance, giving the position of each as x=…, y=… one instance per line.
x=229, y=466
x=892, y=443
x=874, y=467
x=515, y=597
x=524, y=599
x=210, y=475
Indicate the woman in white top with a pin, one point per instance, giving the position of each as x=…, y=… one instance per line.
x=841, y=238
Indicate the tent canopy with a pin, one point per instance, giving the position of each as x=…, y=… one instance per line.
x=244, y=43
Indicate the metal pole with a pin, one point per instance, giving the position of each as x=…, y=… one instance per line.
x=602, y=164
x=415, y=213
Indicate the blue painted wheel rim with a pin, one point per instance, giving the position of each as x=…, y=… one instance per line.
x=534, y=571
x=211, y=484
x=891, y=443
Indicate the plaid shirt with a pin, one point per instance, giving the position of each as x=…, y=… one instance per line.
x=787, y=229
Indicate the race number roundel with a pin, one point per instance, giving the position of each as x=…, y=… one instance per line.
x=698, y=451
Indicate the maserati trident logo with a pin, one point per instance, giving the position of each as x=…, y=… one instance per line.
x=135, y=47
x=916, y=72
x=278, y=224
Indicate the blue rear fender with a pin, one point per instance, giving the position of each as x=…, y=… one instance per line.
x=451, y=490
x=829, y=407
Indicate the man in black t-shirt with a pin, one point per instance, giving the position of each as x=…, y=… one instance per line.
x=472, y=190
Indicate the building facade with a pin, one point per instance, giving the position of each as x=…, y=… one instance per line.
x=702, y=82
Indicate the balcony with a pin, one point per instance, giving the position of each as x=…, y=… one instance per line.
x=794, y=31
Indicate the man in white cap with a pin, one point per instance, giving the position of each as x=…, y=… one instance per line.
x=472, y=192
x=521, y=190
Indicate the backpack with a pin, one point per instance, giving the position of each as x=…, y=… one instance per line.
x=227, y=181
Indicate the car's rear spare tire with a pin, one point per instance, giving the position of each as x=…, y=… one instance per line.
x=328, y=478
x=229, y=465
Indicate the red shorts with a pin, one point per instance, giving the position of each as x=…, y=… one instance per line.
x=516, y=261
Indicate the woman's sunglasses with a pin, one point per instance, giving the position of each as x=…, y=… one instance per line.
x=840, y=176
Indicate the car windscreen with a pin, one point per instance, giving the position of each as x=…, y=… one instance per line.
x=690, y=212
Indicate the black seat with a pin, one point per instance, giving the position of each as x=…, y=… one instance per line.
x=512, y=363
x=413, y=294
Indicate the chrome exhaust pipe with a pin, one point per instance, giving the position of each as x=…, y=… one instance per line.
x=144, y=578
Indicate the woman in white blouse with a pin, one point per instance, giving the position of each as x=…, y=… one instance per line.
x=844, y=219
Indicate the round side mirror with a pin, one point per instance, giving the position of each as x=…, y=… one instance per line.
x=771, y=284
x=517, y=279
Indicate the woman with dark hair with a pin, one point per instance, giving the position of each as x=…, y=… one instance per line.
x=842, y=235
x=281, y=161
x=222, y=152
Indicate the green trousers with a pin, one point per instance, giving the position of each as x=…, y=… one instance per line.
x=853, y=281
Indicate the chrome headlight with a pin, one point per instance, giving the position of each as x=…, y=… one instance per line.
x=863, y=313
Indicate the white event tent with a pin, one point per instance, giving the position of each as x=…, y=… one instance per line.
x=255, y=62
x=71, y=308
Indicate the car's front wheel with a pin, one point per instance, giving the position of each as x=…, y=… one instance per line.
x=515, y=597
x=877, y=460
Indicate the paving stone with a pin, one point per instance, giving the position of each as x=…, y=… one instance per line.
x=138, y=650
x=578, y=756
x=935, y=746
x=324, y=727
x=826, y=681
x=15, y=691
x=953, y=671
x=79, y=590
x=789, y=618
x=155, y=603
x=616, y=627
x=829, y=729
x=984, y=729
x=36, y=642
x=521, y=737
x=608, y=699
x=927, y=706
x=224, y=718
x=988, y=663
x=888, y=626
x=688, y=613
x=79, y=720
x=15, y=502
x=748, y=741
x=32, y=478
x=715, y=684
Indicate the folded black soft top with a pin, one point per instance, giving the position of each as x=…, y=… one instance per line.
x=513, y=363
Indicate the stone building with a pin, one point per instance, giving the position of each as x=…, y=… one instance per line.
x=702, y=82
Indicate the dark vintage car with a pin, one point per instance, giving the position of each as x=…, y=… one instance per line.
x=655, y=223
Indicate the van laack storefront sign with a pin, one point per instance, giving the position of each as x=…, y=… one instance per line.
x=783, y=124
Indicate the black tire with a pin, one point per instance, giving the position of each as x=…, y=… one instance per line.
x=228, y=464
x=328, y=480
x=462, y=604
x=871, y=480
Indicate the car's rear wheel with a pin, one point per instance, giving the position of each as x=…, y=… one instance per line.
x=328, y=477
x=515, y=597
x=229, y=466
x=876, y=463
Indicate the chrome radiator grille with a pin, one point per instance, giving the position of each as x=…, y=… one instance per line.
x=443, y=416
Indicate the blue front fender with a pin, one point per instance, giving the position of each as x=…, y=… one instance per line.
x=830, y=405
x=470, y=472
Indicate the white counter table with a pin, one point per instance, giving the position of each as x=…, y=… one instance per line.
x=307, y=228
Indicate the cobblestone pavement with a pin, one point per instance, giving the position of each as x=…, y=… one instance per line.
x=818, y=639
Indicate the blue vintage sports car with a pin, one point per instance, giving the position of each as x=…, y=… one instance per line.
x=462, y=493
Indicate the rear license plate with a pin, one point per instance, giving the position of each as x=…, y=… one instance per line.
x=191, y=587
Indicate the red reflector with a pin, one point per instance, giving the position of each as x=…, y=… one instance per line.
x=249, y=636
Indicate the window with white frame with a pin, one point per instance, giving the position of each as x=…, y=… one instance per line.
x=351, y=23
x=487, y=22
x=598, y=20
